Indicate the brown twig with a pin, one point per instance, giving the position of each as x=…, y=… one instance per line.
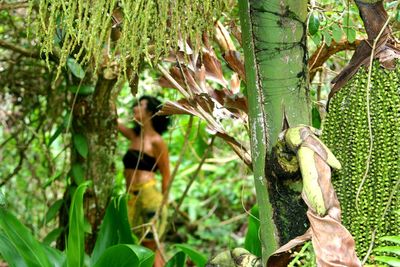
x=19, y=49
x=10, y=6
x=324, y=52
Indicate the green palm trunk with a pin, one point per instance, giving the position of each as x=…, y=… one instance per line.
x=274, y=37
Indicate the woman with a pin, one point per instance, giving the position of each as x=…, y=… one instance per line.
x=147, y=153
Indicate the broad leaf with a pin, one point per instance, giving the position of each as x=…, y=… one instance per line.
x=178, y=260
x=316, y=118
x=53, y=210
x=392, y=261
x=78, y=173
x=351, y=35
x=252, y=242
x=115, y=228
x=56, y=257
x=390, y=249
x=313, y=24
x=394, y=239
x=198, y=258
x=9, y=253
x=22, y=241
x=316, y=38
x=337, y=33
x=75, y=245
x=75, y=68
x=52, y=236
x=81, y=145
x=327, y=38
x=126, y=256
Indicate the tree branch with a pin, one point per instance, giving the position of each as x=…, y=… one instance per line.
x=23, y=51
x=324, y=52
x=8, y=6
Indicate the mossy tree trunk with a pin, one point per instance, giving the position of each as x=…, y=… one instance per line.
x=274, y=37
x=94, y=119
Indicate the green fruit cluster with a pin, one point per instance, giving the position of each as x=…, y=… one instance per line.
x=346, y=133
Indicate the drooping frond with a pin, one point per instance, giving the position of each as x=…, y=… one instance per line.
x=121, y=31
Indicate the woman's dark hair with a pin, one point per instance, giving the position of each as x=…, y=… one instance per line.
x=160, y=123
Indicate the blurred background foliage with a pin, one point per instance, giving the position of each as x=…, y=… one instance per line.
x=35, y=137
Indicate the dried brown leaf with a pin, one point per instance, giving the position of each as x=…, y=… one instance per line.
x=223, y=37
x=213, y=69
x=235, y=62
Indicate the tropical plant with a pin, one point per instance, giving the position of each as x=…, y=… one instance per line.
x=114, y=247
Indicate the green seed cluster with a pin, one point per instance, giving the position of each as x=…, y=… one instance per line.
x=346, y=133
x=149, y=28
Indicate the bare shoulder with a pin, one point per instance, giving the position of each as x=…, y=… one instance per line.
x=158, y=141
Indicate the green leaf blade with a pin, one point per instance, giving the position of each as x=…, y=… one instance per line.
x=81, y=144
x=75, y=245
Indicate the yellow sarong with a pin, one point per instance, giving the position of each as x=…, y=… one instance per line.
x=144, y=200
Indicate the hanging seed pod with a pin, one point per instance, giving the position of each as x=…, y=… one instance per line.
x=366, y=185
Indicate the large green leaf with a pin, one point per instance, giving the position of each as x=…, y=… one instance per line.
x=115, y=228
x=81, y=145
x=9, y=253
x=198, y=258
x=56, y=257
x=123, y=255
x=78, y=173
x=178, y=260
x=252, y=241
x=75, y=68
x=22, y=241
x=392, y=261
x=394, y=239
x=75, y=245
x=313, y=24
x=390, y=249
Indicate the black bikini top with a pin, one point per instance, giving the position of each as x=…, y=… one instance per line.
x=145, y=162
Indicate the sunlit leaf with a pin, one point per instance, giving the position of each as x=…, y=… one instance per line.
x=394, y=239
x=198, y=258
x=81, y=145
x=75, y=68
x=252, y=241
x=351, y=35
x=56, y=134
x=313, y=24
x=75, y=245
x=78, y=173
x=9, y=253
x=392, y=261
x=22, y=241
x=115, y=228
x=123, y=255
x=327, y=38
x=316, y=38
x=337, y=33
x=391, y=249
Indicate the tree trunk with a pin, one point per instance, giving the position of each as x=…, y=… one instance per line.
x=94, y=118
x=274, y=37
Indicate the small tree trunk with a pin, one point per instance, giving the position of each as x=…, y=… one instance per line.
x=274, y=38
x=94, y=117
